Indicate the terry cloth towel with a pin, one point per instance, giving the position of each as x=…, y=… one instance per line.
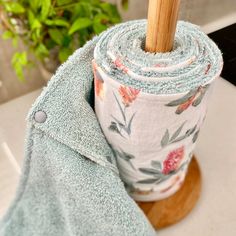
x=70, y=184
x=151, y=106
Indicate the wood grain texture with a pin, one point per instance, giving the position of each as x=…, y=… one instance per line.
x=162, y=19
x=169, y=211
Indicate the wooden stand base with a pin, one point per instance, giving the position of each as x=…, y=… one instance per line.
x=169, y=211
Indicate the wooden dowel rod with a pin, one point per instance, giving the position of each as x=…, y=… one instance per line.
x=162, y=19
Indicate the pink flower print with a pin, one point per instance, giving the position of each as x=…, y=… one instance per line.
x=128, y=94
x=182, y=107
x=98, y=82
x=207, y=69
x=160, y=65
x=161, y=172
x=118, y=64
x=173, y=160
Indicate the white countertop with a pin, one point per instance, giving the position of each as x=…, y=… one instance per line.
x=215, y=213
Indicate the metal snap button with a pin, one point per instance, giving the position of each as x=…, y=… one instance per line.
x=40, y=116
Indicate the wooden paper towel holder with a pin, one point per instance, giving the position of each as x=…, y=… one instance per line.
x=162, y=19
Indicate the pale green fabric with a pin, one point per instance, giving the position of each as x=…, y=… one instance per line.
x=151, y=106
x=194, y=61
x=70, y=183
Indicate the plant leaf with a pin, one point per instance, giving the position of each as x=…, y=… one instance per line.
x=147, y=181
x=111, y=11
x=117, y=153
x=182, y=100
x=34, y=4
x=129, y=186
x=165, y=177
x=150, y=171
x=128, y=129
x=121, y=110
x=131, y=164
x=165, y=139
x=36, y=24
x=179, y=138
x=31, y=18
x=7, y=35
x=198, y=100
x=57, y=22
x=19, y=61
x=64, y=53
x=41, y=51
x=188, y=132
x=98, y=28
x=156, y=164
x=119, y=122
x=100, y=22
x=205, y=87
x=45, y=8
x=80, y=23
x=14, y=7
x=56, y=35
x=126, y=156
x=195, y=136
x=63, y=2
x=191, y=131
x=113, y=127
x=177, y=132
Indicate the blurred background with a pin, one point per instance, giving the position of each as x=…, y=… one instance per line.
x=26, y=23
x=36, y=36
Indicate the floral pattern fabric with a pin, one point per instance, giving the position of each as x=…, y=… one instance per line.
x=194, y=98
x=98, y=82
x=152, y=136
x=128, y=95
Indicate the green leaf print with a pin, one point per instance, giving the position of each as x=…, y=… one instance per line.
x=122, y=126
x=182, y=100
x=147, y=181
x=150, y=171
x=177, y=132
x=156, y=165
x=192, y=98
x=195, y=136
x=113, y=127
x=165, y=139
x=125, y=156
x=121, y=110
x=128, y=129
x=176, y=137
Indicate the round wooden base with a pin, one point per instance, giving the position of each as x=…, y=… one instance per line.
x=169, y=211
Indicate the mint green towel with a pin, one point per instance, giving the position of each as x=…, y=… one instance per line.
x=70, y=183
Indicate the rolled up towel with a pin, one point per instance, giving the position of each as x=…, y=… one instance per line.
x=151, y=105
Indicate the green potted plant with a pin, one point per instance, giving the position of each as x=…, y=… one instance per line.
x=52, y=29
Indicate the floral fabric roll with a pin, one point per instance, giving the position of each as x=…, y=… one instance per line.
x=151, y=106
